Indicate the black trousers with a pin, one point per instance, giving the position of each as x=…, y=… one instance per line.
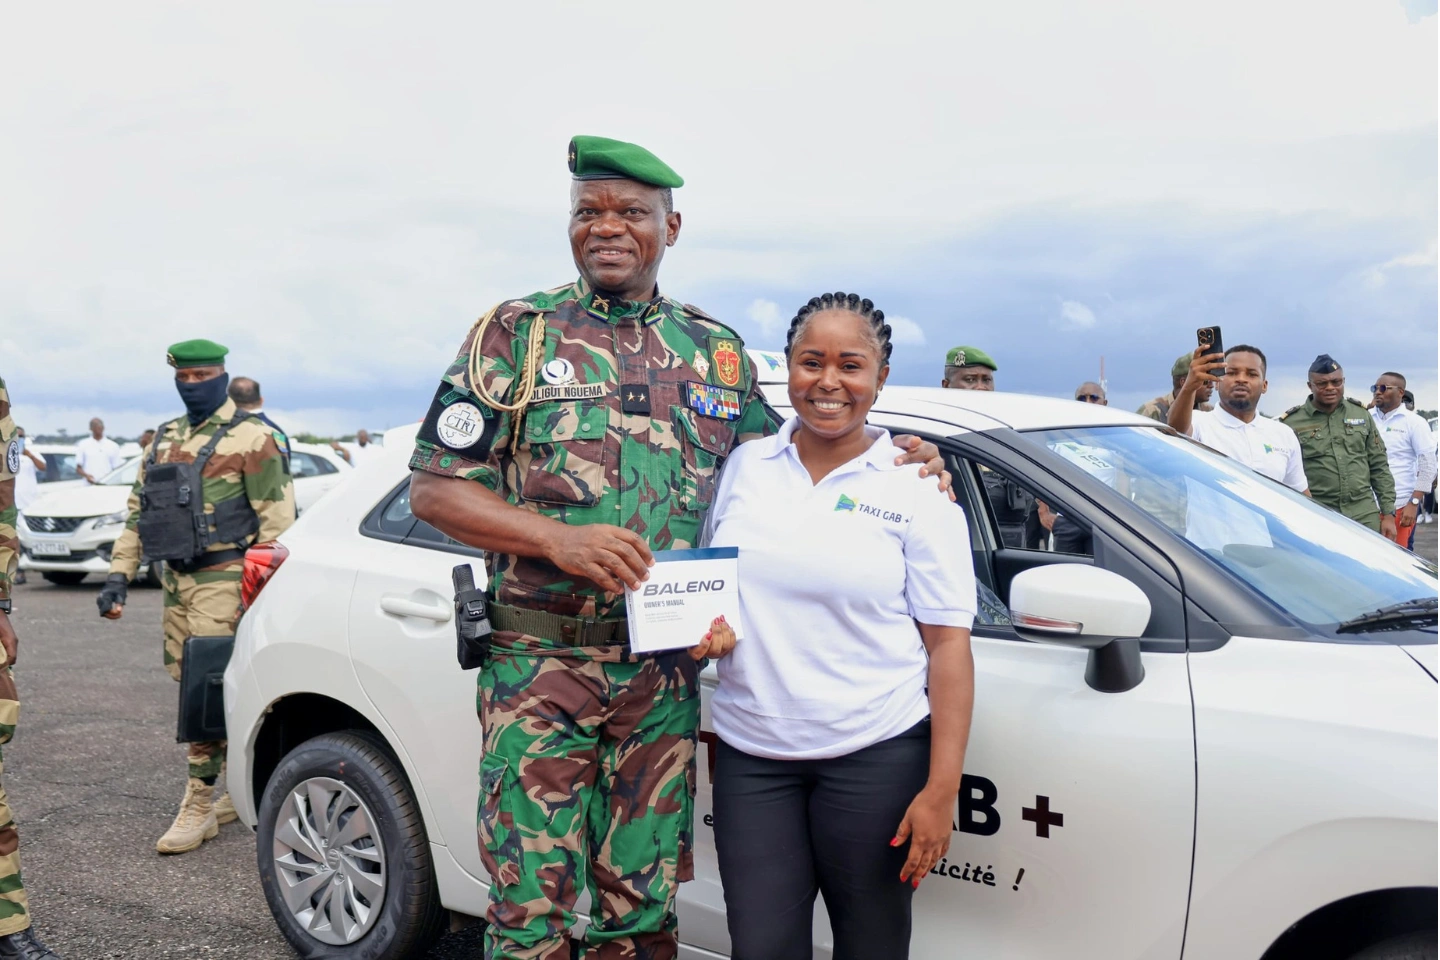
x=786, y=830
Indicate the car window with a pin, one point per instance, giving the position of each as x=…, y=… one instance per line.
x=303, y=465
x=1024, y=520
x=59, y=466
x=391, y=519
x=1314, y=563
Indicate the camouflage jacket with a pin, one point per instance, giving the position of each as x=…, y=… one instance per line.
x=1345, y=456
x=635, y=409
x=247, y=463
x=9, y=554
x=1159, y=408
x=9, y=466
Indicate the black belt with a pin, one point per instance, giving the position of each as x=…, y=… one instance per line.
x=212, y=559
x=572, y=631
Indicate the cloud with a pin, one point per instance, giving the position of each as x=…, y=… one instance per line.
x=1377, y=276
x=905, y=331
x=1074, y=315
x=1417, y=10
x=766, y=315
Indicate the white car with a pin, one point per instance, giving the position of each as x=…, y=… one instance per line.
x=1209, y=733
x=69, y=530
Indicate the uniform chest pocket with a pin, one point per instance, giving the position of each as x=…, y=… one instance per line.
x=1355, y=439
x=564, y=452
x=704, y=445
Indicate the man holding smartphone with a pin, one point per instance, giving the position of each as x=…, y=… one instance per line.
x=1236, y=429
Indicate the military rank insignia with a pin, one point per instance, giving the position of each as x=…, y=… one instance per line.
x=726, y=354
x=635, y=399
x=712, y=401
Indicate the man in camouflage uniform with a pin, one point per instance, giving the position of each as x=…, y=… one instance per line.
x=202, y=595
x=1345, y=456
x=16, y=938
x=569, y=457
x=1159, y=408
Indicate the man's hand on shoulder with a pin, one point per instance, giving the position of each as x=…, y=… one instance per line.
x=928, y=456
x=610, y=556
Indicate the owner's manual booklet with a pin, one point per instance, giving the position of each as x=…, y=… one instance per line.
x=686, y=591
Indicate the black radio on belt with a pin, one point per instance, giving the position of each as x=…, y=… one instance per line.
x=472, y=624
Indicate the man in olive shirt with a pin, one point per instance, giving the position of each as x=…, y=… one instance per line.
x=1159, y=408
x=1344, y=454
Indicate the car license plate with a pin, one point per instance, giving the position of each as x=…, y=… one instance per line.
x=43, y=548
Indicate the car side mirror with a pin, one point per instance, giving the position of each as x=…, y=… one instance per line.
x=1077, y=605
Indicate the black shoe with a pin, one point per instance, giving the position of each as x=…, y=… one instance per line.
x=25, y=946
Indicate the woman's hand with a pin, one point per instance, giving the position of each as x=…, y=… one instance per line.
x=718, y=642
x=927, y=826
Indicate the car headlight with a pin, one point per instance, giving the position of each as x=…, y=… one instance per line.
x=111, y=519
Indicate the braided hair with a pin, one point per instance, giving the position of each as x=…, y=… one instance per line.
x=878, y=331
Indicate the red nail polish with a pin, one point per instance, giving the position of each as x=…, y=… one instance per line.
x=916, y=884
x=895, y=842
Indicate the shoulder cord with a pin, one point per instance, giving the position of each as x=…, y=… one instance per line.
x=530, y=361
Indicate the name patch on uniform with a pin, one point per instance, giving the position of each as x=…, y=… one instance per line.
x=12, y=457
x=569, y=391
x=712, y=401
x=1354, y=423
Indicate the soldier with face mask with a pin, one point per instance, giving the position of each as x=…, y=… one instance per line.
x=235, y=463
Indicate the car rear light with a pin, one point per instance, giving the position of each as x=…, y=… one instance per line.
x=261, y=562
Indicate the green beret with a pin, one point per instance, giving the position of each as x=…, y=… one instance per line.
x=969, y=357
x=195, y=353
x=600, y=158
x=1181, y=366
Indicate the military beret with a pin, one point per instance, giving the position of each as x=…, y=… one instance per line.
x=600, y=158
x=1324, y=364
x=969, y=357
x=195, y=353
x=1181, y=366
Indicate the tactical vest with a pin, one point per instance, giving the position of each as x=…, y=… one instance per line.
x=173, y=523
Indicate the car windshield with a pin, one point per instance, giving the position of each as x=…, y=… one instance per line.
x=59, y=466
x=123, y=475
x=1314, y=563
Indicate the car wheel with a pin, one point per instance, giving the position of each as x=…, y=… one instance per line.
x=1411, y=946
x=343, y=856
x=65, y=578
x=155, y=573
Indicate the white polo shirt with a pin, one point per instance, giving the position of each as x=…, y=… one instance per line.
x=833, y=577
x=97, y=457
x=1410, y=449
x=1266, y=446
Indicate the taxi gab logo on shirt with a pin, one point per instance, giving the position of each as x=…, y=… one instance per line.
x=846, y=505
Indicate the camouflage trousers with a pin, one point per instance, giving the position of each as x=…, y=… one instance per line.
x=588, y=781
x=14, y=906
x=205, y=603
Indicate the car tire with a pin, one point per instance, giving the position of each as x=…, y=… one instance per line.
x=64, y=578
x=329, y=919
x=1411, y=946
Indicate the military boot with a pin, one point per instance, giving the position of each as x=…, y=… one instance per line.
x=195, y=823
x=25, y=946
x=225, y=809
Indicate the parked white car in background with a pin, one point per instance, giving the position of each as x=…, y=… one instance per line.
x=70, y=529
x=1210, y=734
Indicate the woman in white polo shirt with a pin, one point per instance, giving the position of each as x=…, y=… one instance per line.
x=844, y=709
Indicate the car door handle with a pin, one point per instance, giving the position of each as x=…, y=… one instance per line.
x=405, y=607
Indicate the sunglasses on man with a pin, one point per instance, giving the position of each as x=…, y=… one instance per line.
x=1382, y=387
x=1089, y=397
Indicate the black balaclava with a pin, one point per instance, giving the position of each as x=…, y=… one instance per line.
x=203, y=398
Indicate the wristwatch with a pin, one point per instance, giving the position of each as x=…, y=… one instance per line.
x=4, y=606
x=1414, y=501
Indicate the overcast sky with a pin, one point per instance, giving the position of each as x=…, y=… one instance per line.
x=337, y=190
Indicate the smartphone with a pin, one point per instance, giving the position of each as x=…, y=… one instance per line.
x=1209, y=339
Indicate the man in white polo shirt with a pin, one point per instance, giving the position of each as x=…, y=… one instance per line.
x=97, y=454
x=1410, y=448
x=1235, y=428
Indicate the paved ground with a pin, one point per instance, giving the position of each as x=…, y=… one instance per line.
x=94, y=774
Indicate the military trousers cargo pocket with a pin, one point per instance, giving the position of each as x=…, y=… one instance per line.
x=704, y=445
x=495, y=822
x=564, y=455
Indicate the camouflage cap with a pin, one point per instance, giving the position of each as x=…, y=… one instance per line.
x=600, y=158
x=196, y=353
x=1181, y=366
x=969, y=357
